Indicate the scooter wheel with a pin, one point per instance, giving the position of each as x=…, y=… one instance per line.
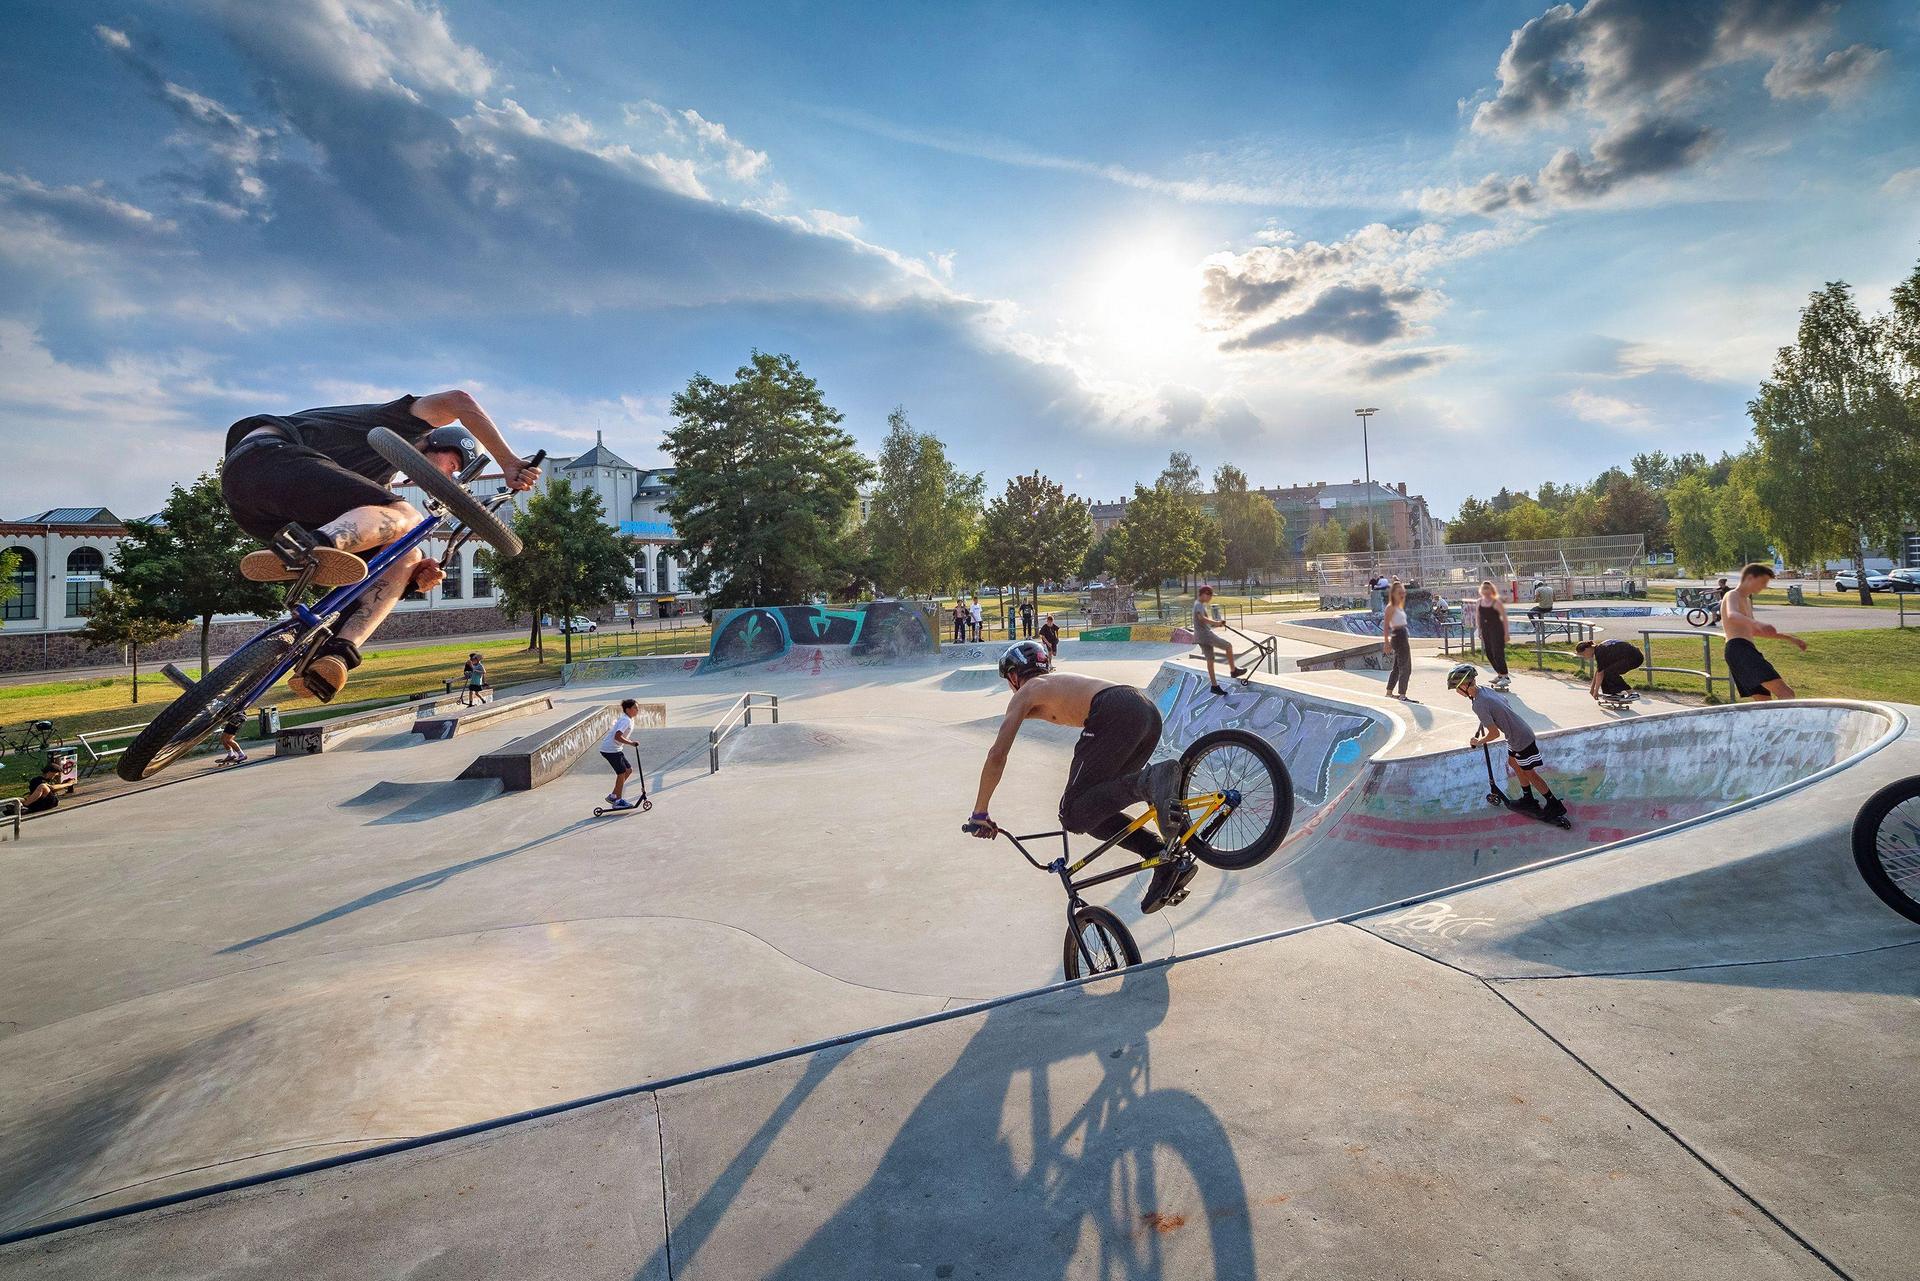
x=645, y=806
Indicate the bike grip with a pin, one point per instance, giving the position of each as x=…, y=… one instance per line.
x=537, y=459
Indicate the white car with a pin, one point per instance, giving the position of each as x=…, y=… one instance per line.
x=577, y=624
x=1849, y=581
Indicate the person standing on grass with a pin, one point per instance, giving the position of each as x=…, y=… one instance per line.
x=1492, y=621
x=1393, y=640
x=1753, y=676
x=613, y=750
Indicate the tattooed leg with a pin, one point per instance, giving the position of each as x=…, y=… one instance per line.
x=368, y=527
x=378, y=600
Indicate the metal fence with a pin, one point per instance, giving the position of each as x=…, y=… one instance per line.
x=1602, y=565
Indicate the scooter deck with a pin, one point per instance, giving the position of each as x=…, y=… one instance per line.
x=640, y=806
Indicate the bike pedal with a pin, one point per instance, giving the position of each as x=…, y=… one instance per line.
x=293, y=545
x=1177, y=897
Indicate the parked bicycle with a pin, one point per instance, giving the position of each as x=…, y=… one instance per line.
x=1239, y=803
x=288, y=645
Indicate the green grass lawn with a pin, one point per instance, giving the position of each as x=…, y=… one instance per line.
x=1878, y=663
x=391, y=675
x=1665, y=592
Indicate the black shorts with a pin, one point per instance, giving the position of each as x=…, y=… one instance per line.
x=273, y=483
x=1524, y=756
x=1749, y=667
x=619, y=761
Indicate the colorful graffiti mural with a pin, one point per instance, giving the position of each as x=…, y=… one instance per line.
x=879, y=631
x=1323, y=743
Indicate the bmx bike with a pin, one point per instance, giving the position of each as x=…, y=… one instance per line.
x=290, y=644
x=1886, y=845
x=1239, y=803
x=1702, y=616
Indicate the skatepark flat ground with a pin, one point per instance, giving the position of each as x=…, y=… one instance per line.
x=1689, y=1055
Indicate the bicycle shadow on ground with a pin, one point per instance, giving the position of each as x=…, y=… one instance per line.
x=1043, y=1151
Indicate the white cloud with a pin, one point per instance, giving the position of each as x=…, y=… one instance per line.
x=1610, y=411
x=743, y=163
x=1905, y=182
x=1841, y=74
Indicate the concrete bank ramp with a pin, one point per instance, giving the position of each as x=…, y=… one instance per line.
x=1414, y=825
x=391, y=802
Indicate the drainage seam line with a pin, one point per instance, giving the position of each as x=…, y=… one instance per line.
x=1636, y=1105
x=666, y=1213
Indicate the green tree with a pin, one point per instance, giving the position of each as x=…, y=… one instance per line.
x=1694, y=509
x=1159, y=538
x=9, y=566
x=764, y=482
x=115, y=620
x=1250, y=527
x=1033, y=532
x=1326, y=540
x=523, y=586
x=1366, y=535
x=1839, y=439
x=1099, y=557
x=925, y=513
x=1180, y=476
x=584, y=563
x=1476, y=523
x=1527, y=520
x=186, y=565
x=1737, y=521
x=1582, y=517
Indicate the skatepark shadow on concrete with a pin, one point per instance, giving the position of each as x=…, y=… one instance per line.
x=412, y=885
x=1044, y=1136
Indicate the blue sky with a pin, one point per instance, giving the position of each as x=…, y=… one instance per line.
x=1066, y=237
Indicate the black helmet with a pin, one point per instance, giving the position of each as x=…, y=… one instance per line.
x=455, y=438
x=1025, y=658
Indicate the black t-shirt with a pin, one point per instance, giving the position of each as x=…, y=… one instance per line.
x=1608, y=653
x=340, y=432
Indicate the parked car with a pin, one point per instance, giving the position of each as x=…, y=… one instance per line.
x=577, y=624
x=1849, y=581
x=1903, y=580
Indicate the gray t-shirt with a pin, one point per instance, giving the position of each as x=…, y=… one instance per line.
x=1496, y=712
x=1202, y=620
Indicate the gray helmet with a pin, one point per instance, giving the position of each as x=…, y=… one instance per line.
x=1026, y=658
x=1461, y=674
x=454, y=438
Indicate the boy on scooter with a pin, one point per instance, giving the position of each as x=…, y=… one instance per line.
x=1497, y=719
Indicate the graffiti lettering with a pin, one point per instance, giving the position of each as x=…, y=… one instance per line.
x=1311, y=737
x=1437, y=919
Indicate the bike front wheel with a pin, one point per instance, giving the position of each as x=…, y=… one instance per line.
x=1886, y=845
x=1696, y=618
x=461, y=505
x=1097, y=943
x=1235, y=761
x=186, y=722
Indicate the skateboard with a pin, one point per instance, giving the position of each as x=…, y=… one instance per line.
x=1496, y=795
x=1614, y=704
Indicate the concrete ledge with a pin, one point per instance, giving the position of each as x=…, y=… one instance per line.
x=451, y=724
x=1366, y=657
x=533, y=760
x=317, y=736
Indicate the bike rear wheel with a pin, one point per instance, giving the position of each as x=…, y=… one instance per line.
x=461, y=505
x=186, y=722
x=1109, y=944
x=1234, y=760
x=1886, y=845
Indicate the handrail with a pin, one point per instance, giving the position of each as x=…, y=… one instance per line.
x=1704, y=671
x=743, y=709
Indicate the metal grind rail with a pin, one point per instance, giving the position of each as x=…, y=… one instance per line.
x=1705, y=671
x=741, y=713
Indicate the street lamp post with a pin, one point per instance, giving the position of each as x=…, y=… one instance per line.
x=1373, y=560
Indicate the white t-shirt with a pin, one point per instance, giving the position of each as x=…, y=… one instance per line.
x=974, y=611
x=623, y=724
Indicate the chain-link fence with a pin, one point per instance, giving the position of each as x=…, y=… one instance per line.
x=1604, y=565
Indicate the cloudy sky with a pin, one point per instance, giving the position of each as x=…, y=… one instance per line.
x=1066, y=236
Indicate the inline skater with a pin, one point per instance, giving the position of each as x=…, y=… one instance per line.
x=1498, y=719
x=1119, y=727
x=1753, y=676
x=313, y=476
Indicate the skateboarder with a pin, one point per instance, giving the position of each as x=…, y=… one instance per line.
x=1120, y=727
x=613, y=749
x=1492, y=621
x=1498, y=719
x=230, y=739
x=1612, y=660
x=1753, y=676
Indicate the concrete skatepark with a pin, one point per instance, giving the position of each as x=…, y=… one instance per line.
x=825, y=1033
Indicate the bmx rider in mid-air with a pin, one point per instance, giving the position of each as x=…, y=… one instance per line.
x=1120, y=727
x=314, y=475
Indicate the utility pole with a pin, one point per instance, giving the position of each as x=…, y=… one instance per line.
x=1366, y=456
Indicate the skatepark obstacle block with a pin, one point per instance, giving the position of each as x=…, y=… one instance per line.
x=315, y=737
x=535, y=759
x=453, y=722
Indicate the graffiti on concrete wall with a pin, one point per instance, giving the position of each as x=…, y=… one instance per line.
x=873, y=632
x=1313, y=738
